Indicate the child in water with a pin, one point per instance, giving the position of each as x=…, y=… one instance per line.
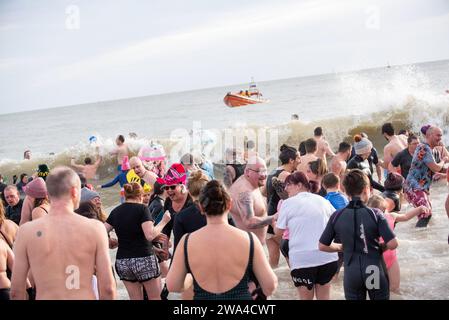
x=386, y=205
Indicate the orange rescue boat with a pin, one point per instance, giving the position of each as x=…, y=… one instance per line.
x=243, y=98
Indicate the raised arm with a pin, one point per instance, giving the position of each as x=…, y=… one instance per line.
x=98, y=162
x=152, y=231
x=76, y=166
x=246, y=204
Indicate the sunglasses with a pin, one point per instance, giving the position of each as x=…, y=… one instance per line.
x=166, y=188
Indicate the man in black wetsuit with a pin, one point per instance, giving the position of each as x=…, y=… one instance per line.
x=363, y=148
x=359, y=228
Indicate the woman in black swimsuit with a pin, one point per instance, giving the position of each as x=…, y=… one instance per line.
x=219, y=257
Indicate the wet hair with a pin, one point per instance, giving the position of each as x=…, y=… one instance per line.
x=197, y=180
x=310, y=145
x=403, y=131
x=343, y=147
x=388, y=129
x=60, y=181
x=318, y=131
x=88, y=161
x=287, y=153
x=121, y=138
x=87, y=209
x=330, y=180
x=318, y=167
x=214, y=198
x=355, y=181
x=411, y=137
x=302, y=148
x=378, y=202
x=133, y=190
x=298, y=178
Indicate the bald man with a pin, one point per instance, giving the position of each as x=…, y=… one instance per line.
x=420, y=176
x=63, y=250
x=249, y=207
x=148, y=176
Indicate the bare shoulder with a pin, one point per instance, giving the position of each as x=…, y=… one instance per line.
x=10, y=225
x=245, y=196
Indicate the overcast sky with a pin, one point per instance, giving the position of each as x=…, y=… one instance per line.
x=56, y=53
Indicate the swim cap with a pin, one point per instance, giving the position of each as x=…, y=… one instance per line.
x=152, y=153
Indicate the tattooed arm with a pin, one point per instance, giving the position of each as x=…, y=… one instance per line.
x=246, y=211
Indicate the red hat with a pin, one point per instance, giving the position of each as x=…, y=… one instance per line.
x=36, y=188
x=176, y=174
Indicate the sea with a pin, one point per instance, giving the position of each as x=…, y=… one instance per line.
x=343, y=104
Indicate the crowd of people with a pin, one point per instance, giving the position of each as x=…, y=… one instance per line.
x=181, y=230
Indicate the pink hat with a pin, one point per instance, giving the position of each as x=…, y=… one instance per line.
x=175, y=175
x=152, y=153
x=125, y=164
x=36, y=188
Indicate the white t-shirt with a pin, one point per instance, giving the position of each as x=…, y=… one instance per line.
x=306, y=215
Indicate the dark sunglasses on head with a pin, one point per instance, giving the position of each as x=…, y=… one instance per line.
x=170, y=187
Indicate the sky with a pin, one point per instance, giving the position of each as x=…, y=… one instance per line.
x=58, y=52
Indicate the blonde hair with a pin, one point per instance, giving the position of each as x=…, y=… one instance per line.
x=197, y=180
x=378, y=202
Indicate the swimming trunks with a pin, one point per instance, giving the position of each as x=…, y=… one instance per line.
x=419, y=198
x=309, y=277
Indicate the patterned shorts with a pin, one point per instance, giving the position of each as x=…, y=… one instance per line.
x=138, y=269
x=418, y=198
